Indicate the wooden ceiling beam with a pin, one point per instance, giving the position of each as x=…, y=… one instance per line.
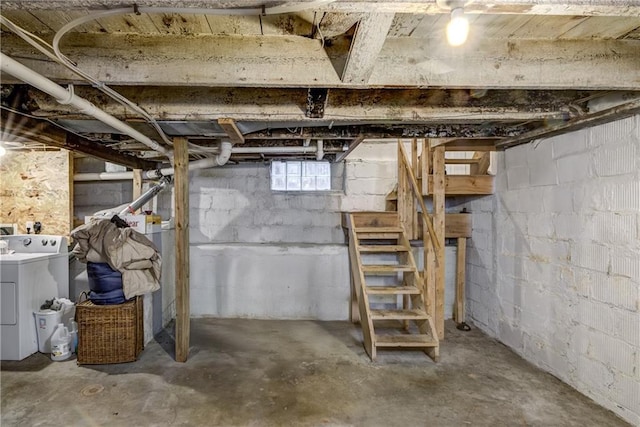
x=341, y=105
x=292, y=61
x=604, y=116
x=229, y=126
x=371, y=33
x=494, y=7
x=24, y=129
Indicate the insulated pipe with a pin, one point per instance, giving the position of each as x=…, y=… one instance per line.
x=320, y=152
x=146, y=196
x=64, y=96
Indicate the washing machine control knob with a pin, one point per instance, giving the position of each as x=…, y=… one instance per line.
x=45, y=242
x=26, y=241
x=52, y=242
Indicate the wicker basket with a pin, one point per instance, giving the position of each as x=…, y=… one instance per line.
x=109, y=333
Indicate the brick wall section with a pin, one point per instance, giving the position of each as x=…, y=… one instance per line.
x=554, y=264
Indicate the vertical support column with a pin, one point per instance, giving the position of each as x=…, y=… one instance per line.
x=72, y=225
x=406, y=201
x=426, y=162
x=438, y=224
x=429, y=271
x=415, y=167
x=459, y=313
x=137, y=183
x=181, y=188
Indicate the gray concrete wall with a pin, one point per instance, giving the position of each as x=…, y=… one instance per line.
x=554, y=262
x=262, y=254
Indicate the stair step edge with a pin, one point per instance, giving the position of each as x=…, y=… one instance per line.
x=399, y=315
x=405, y=341
x=392, y=290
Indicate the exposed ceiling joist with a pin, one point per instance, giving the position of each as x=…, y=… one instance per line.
x=604, y=116
x=371, y=33
x=24, y=129
x=229, y=126
x=535, y=7
x=477, y=144
x=290, y=61
x=342, y=105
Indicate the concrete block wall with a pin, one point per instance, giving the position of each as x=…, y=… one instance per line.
x=554, y=263
x=265, y=254
x=91, y=197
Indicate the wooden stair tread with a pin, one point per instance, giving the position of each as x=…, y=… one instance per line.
x=405, y=341
x=399, y=315
x=386, y=268
x=382, y=248
x=392, y=290
x=378, y=230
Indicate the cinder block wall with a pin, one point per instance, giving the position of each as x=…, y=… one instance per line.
x=554, y=263
x=262, y=254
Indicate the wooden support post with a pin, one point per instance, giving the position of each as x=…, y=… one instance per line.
x=438, y=225
x=416, y=171
x=482, y=166
x=459, y=312
x=425, y=167
x=182, y=247
x=406, y=201
x=71, y=193
x=137, y=183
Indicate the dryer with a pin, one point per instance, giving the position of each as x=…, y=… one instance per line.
x=36, y=269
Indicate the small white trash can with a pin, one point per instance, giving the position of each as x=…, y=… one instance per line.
x=46, y=322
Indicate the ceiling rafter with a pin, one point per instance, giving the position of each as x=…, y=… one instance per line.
x=24, y=129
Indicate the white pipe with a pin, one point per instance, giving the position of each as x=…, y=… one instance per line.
x=320, y=152
x=274, y=150
x=226, y=149
x=64, y=96
x=103, y=176
x=219, y=160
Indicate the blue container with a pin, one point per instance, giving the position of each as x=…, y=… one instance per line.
x=102, y=278
x=107, y=298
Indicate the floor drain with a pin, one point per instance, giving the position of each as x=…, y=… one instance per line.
x=92, y=389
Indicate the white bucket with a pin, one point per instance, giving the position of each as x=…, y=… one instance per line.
x=46, y=322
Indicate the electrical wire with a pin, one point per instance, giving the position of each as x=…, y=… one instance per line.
x=40, y=45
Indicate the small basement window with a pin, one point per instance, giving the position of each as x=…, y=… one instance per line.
x=300, y=176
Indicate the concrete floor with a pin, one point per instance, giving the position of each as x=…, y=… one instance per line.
x=272, y=373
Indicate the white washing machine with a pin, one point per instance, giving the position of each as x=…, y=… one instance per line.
x=35, y=269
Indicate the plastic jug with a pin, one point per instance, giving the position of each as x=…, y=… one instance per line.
x=73, y=331
x=60, y=343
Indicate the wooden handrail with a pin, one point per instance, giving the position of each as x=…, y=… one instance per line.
x=428, y=220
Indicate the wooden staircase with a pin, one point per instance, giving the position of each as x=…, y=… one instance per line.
x=390, y=291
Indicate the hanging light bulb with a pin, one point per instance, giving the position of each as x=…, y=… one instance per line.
x=457, y=28
x=3, y=150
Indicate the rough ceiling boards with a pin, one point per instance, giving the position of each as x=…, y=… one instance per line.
x=286, y=74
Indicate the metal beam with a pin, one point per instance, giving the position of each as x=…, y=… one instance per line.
x=291, y=61
x=607, y=115
x=367, y=43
